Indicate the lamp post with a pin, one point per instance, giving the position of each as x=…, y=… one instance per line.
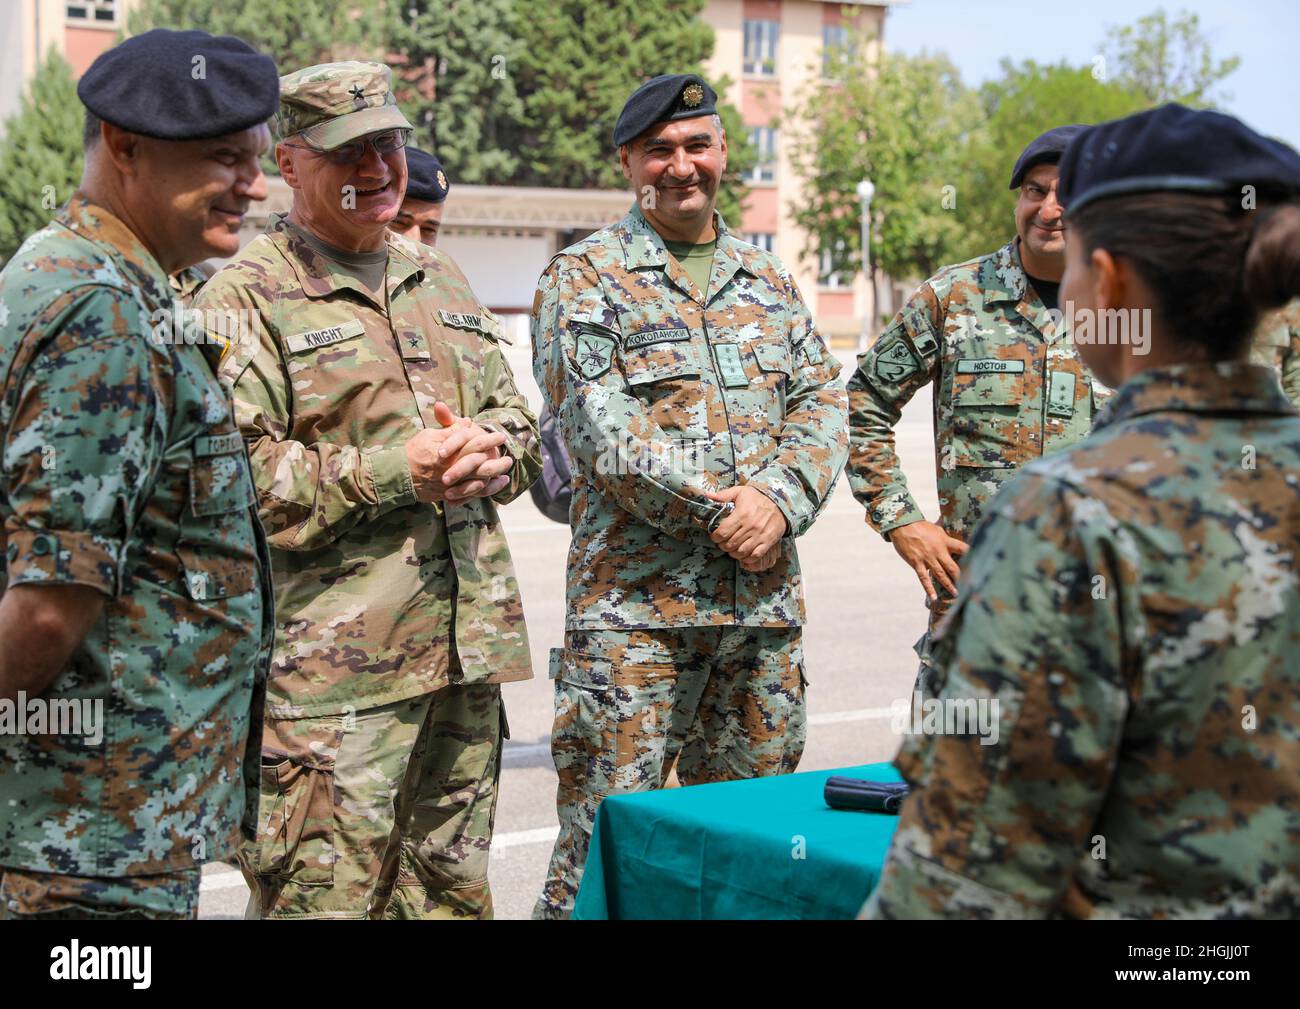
x=865, y=192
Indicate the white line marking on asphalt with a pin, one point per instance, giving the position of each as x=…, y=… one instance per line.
x=860, y=715
x=225, y=879
x=228, y=879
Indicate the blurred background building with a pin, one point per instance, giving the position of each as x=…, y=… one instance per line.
x=503, y=236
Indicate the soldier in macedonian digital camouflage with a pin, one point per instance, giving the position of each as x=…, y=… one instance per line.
x=385, y=428
x=1129, y=612
x=989, y=339
x=707, y=427
x=136, y=587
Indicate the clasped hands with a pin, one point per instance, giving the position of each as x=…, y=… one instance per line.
x=457, y=461
x=752, y=532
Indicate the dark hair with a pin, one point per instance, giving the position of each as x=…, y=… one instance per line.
x=1212, y=266
x=90, y=132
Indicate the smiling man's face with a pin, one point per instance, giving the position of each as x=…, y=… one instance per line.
x=348, y=206
x=1038, y=222
x=675, y=169
x=198, y=191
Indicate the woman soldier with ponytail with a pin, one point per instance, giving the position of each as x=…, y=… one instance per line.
x=1130, y=608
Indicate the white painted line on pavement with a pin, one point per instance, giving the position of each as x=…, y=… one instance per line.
x=860, y=715
x=225, y=879
x=515, y=838
x=229, y=879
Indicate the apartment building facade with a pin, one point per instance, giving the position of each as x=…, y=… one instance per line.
x=772, y=50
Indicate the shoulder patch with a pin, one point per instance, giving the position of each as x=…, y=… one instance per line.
x=895, y=361
x=595, y=353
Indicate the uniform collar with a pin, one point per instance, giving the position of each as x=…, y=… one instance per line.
x=1003, y=280
x=1234, y=387
x=643, y=247
x=120, y=244
x=319, y=277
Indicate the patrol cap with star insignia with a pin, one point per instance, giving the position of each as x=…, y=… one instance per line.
x=662, y=99
x=332, y=104
x=425, y=178
x=181, y=85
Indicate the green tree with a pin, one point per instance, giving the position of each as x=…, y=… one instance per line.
x=1166, y=60
x=457, y=85
x=577, y=65
x=902, y=123
x=40, y=154
x=295, y=33
x=1027, y=99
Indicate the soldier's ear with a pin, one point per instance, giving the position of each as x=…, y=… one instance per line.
x=284, y=161
x=122, y=147
x=624, y=153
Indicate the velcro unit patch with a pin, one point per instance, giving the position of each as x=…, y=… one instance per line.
x=323, y=337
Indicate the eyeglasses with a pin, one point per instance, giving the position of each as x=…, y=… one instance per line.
x=353, y=151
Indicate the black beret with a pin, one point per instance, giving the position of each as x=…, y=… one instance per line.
x=425, y=178
x=1177, y=149
x=1043, y=150
x=664, y=98
x=181, y=85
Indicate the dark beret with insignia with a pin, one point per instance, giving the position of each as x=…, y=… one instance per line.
x=1043, y=150
x=426, y=179
x=665, y=98
x=181, y=85
x=1174, y=149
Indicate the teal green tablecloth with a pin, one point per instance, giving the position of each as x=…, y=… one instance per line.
x=732, y=850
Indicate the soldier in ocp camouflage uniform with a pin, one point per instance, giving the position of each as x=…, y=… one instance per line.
x=1277, y=344
x=136, y=585
x=1008, y=385
x=707, y=428
x=399, y=613
x=1132, y=605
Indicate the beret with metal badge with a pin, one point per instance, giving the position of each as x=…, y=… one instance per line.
x=1174, y=149
x=185, y=85
x=663, y=99
x=425, y=178
x=1045, y=149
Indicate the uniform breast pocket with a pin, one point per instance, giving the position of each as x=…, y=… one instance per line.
x=216, y=546
x=667, y=382
x=774, y=370
x=989, y=430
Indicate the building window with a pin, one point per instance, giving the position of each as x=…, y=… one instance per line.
x=835, y=48
x=763, y=139
x=102, y=11
x=835, y=269
x=761, y=40
x=765, y=240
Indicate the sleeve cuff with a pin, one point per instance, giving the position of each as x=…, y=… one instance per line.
x=46, y=557
x=892, y=512
x=788, y=495
x=390, y=475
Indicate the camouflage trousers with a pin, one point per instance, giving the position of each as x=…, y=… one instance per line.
x=385, y=813
x=49, y=895
x=636, y=710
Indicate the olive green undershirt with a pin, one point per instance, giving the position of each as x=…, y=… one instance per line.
x=367, y=268
x=696, y=260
